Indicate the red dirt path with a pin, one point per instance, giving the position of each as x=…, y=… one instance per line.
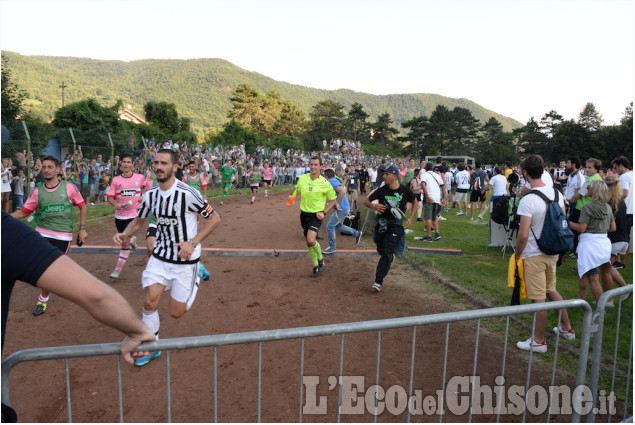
x=249, y=294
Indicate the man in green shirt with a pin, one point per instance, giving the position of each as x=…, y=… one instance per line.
x=314, y=190
x=227, y=173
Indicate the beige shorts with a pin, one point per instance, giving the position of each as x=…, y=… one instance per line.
x=460, y=197
x=540, y=276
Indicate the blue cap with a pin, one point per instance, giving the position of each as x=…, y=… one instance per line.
x=391, y=169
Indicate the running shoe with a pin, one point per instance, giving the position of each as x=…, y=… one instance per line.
x=315, y=273
x=329, y=250
x=568, y=335
x=437, y=236
x=358, y=238
x=202, y=272
x=40, y=308
x=441, y=218
x=460, y=213
x=321, y=266
x=142, y=361
x=376, y=286
x=479, y=217
x=114, y=274
x=419, y=219
x=133, y=242
x=534, y=346
x=617, y=265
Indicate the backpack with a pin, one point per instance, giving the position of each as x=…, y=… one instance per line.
x=476, y=184
x=500, y=210
x=556, y=237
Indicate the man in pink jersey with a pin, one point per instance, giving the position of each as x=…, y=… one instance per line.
x=267, y=175
x=52, y=202
x=125, y=195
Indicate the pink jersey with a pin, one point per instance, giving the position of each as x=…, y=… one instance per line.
x=31, y=206
x=124, y=189
x=267, y=173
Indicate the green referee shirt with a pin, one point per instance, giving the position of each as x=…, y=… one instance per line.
x=313, y=193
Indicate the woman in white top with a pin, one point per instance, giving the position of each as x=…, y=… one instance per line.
x=498, y=185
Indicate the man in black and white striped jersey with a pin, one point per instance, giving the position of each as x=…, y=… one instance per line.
x=177, y=250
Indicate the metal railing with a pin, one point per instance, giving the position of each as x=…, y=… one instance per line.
x=342, y=329
x=620, y=295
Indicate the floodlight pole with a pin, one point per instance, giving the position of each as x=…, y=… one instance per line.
x=63, y=86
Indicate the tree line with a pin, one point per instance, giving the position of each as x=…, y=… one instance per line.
x=258, y=118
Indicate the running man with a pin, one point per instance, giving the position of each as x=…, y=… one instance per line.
x=267, y=177
x=227, y=173
x=195, y=179
x=392, y=199
x=52, y=202
x=175, y=258
x=125, y=195
x=198, y=182
x=314, y=190
x=253, y=177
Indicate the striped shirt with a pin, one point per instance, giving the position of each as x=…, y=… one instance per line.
x=176, y=210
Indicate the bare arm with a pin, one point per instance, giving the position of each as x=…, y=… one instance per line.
x=523, y=236
x=68, y=280
x=579, y=227
x=19, y=214
x=83, y=215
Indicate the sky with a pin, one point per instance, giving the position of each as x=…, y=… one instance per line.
x=519, y=58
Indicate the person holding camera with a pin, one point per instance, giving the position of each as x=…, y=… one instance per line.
x=389, y=202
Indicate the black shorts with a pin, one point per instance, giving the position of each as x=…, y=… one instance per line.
x=61, y=245
x=152, y=231
x=309, y=221
x=122, y=223
x=477, y=196
x=266, y=182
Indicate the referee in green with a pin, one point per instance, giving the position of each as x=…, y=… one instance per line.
x=314, y=190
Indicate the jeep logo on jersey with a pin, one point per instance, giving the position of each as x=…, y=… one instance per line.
x=53, y=208
x=167, y=221
x=128, y=192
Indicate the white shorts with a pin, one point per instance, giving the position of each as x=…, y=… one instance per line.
x=619, y=248
x=180, y=278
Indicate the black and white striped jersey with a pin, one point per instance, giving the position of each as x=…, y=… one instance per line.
x=176, y=211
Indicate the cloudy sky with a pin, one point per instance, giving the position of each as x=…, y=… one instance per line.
x=519, y=58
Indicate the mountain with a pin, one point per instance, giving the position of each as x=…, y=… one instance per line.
x=200, y=89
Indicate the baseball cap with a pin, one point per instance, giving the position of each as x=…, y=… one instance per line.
x=391, y=169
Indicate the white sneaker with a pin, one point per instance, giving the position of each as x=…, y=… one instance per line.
x=377, y=286
x=441, y=218
x=568, y=335
x=535, y=347
x=459, y=213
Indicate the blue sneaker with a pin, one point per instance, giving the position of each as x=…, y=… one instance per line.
x=142, y=361
x=202, y=272
x=358, y=238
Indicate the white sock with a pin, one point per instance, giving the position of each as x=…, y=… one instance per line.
x=151, y=320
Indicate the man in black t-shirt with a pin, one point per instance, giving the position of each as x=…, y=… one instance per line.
x=392, y=199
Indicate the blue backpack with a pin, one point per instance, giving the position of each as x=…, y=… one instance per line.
x=556, y=237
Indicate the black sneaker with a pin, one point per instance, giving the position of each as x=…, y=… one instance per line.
x=437, y=236
x=321, y=266
x=617, y=265
x=315, y=273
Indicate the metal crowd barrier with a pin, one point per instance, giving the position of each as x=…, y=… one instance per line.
x=331, y=330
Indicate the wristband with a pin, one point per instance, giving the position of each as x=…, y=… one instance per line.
x=82, y=227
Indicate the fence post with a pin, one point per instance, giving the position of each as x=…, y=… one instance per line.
x=74, y=151
x=28, y=158
x=596, y=359
x=112, y=156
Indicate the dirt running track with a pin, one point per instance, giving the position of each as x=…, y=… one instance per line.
x=249, y=294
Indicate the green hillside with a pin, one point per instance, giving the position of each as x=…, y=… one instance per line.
x=199, y=88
